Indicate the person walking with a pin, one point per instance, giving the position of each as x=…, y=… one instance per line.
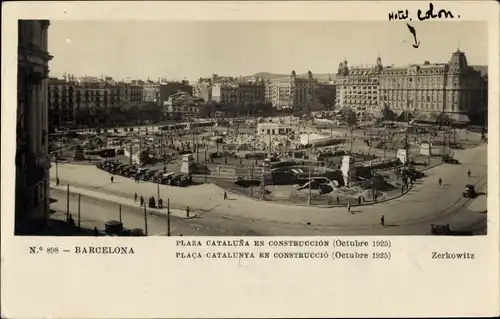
x=468, y=173
x=440, y=181
x=225, y=195
x=135, y=197
x=349, y=207
x=160, y=203
x=187, y=211
x=141, y=201
x=359, y=200
x=382, y=220
x=112, y=178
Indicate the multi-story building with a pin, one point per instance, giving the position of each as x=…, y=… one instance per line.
x=225, y=93
x=454, y=88
x=357, y=87
x=94, y=94
x=32, y=161
x=135, y=92
x=151, y=92
x=61, y=101
x=182, y=105
x=298, y=93
x=169, y=88
x=203, y=91
x=251, y=92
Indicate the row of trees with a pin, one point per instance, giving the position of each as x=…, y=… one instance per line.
x=135, y=113
x=248, y=109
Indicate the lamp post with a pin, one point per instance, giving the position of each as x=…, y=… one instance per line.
x=205, y=167
x=57, y=171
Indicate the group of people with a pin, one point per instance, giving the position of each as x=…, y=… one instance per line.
x=151, y=201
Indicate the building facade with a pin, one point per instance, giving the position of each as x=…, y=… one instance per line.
x=61, y=99
x=429, y=89
x=251, y=92
x=296, y=92
x=357, y=87
x=225, y=93
x=32, y=159
x=169, y=88
x=182, y=105
x=203, y=91
x=135, y=93
x=151, y=92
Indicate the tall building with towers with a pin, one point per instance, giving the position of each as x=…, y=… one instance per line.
x=429, y=89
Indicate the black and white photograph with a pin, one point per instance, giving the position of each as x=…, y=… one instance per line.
x=251, y=128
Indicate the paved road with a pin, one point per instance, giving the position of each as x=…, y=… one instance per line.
x=426, y=203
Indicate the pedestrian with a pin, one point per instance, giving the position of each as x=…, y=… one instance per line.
x=440, y=181
x=338, y=200
x=349, y=207
x=112, y=178
x=382, y=220
x=57, y=181
x=187, y=211
x=425, y=163
x=160, y=203
x=468, y=173
x=135, y=197
x=359, y=200
x=141, y=201
x=89, y=159
x=225, y=195
x=96, y=231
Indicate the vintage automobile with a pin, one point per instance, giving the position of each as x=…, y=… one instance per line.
x=440, y=229
x=470, y=191
x=449, y=160
x=113, y=227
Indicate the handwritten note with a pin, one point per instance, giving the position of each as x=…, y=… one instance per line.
x=422, y=15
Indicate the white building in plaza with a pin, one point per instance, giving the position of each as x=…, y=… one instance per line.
x=275, y=129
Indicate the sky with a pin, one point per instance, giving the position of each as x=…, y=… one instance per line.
x=189, y=50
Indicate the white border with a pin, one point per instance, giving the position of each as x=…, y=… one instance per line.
x=154, y=284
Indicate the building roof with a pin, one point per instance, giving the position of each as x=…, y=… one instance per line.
x=483, y=69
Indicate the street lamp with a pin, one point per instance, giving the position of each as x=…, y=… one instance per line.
x=57, y=171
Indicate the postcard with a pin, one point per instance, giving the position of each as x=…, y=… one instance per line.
x=249, y=159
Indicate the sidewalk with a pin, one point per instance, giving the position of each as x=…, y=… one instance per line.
x=424, y=199
x=177, y=213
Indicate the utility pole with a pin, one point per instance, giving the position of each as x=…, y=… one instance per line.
x=205, y=166
x=145, y=220
x=79, y=216
x=168, y=223
x=57, y=171
x=352, y=139
x=251, y=177
x=67, y=203
x=158, y=189
x=130, y=153
x=310, y=176
x=120, y=213
x=263, y=183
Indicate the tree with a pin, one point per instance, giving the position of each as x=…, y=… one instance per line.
x=350, y=116
x=387, y=113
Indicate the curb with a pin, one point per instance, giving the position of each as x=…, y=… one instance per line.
x=154, y=211
x=317, y=206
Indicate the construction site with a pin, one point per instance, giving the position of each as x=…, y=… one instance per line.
x=290, y=160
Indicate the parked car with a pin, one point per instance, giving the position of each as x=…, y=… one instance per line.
x=449, y=160
x=440, y=229
x=113, y=227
